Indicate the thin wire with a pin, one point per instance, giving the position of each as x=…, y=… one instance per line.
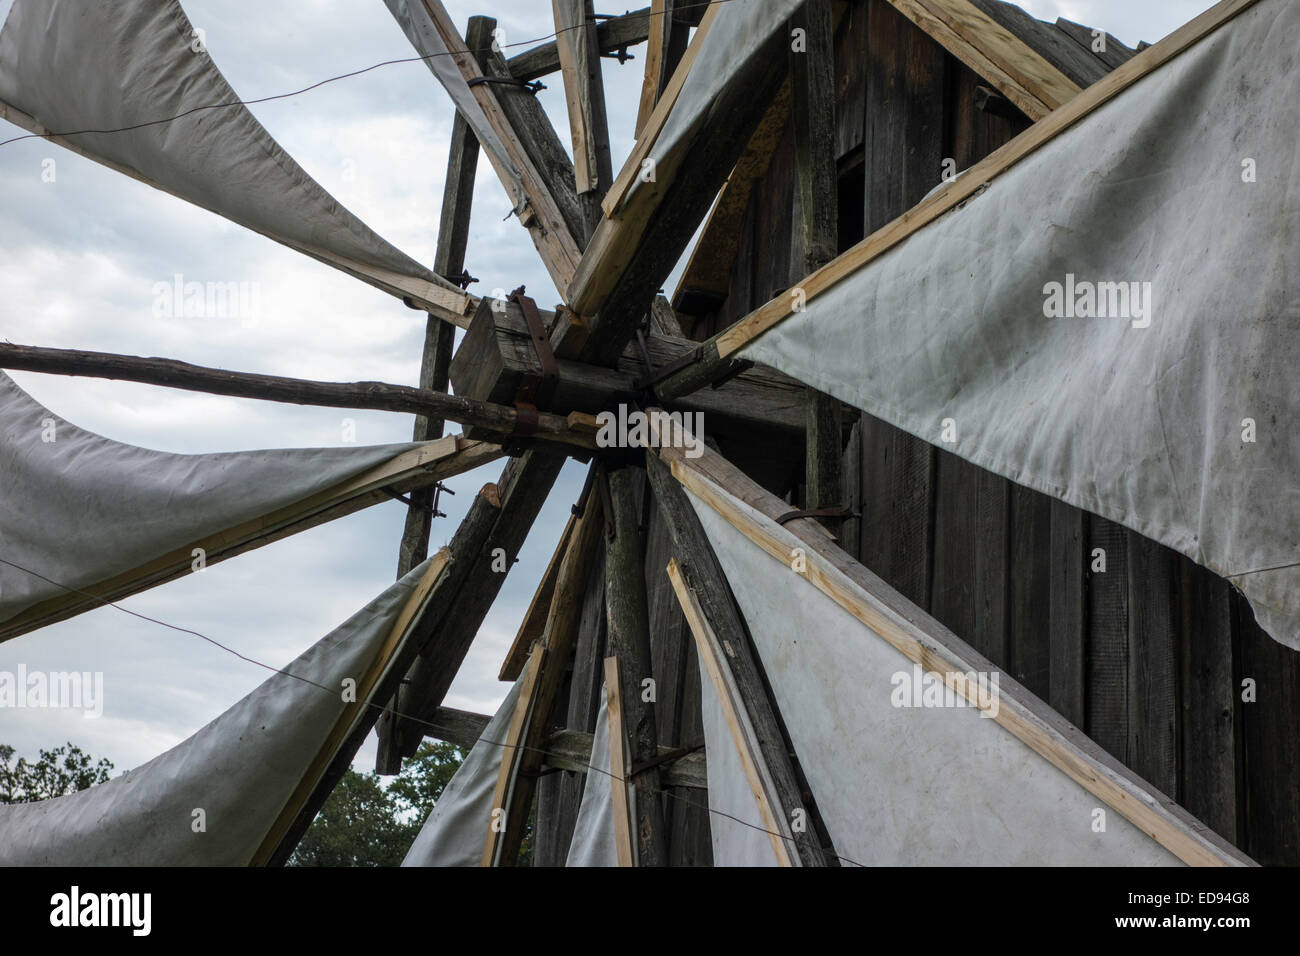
x=317, y=85
x=411, y=717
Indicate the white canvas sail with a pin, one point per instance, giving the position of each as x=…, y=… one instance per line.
x=983, y=773
x=1115, y=320
x=79, y=511
x=594, y=839
x=456, y=829
x=736, y=826
x=66, y=65
x=214, y=799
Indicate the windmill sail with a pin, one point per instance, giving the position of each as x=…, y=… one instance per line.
x=220, y=797
x=1113, y=321
x=67, y=66
x=456, y=828
x=977, y=772
x=81, y=513
x=736, y=828
x=594, y=840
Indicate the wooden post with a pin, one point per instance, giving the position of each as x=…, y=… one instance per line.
x=702, y=574
x=439, y=334
x=558, y=640
x=499, y=519
x=584, y=90
x=629, y=641
x=812, y=89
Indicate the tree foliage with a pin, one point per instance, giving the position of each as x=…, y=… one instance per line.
x=55, y=773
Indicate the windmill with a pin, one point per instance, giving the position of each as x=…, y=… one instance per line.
x=852, y=619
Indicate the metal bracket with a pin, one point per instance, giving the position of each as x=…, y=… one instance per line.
x=463, y=280
x=678, y=754
x=817, y=513
x=532, y=88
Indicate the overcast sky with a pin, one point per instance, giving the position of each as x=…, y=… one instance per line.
x=78, y=261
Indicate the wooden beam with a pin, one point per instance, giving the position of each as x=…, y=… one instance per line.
x=743, y=736
x=534, y=623
x=411, y=469
x=708, y=271
x=812, y=86
x=557, y=642
x=649, y=131
x=994, y=52
x=494, y=528
x=498, y=355
x=613, y=34
x=545, y=222
x=538, y=139
x=511, y=747
x=632, y=253
x=924, y=641
x=564, y=749
x=439, y=335
x=713, y=608
x=618, y=765
x=657, y=41
x=584, y=94
x=628, y=639
x=378, y=396
x=722, y=346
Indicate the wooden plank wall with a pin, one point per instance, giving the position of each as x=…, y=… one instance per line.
x=1148, y=655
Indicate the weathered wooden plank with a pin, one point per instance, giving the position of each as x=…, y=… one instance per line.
x=629, y=258
x=537, y=139
x=1029, y=594
x=1270, y=727
x=379, y=396
x=534, y=623
x=613, y=34
x=500, y=517
x=522, y=130
x=1068, y=615
x=1153, y=668
x=1108, y=650
x=558, y=640
x=851, y=75
x=1099, y=44
x=1079, y=66
x=1001, y=56
x=629, y=640
x=571, y=750
x=707, y=276
x=952, y=593
x=584, y=93
x=1207, y=699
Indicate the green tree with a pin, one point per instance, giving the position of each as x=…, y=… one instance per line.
x=55, y=773
x=362, y=823
x=358, y=826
